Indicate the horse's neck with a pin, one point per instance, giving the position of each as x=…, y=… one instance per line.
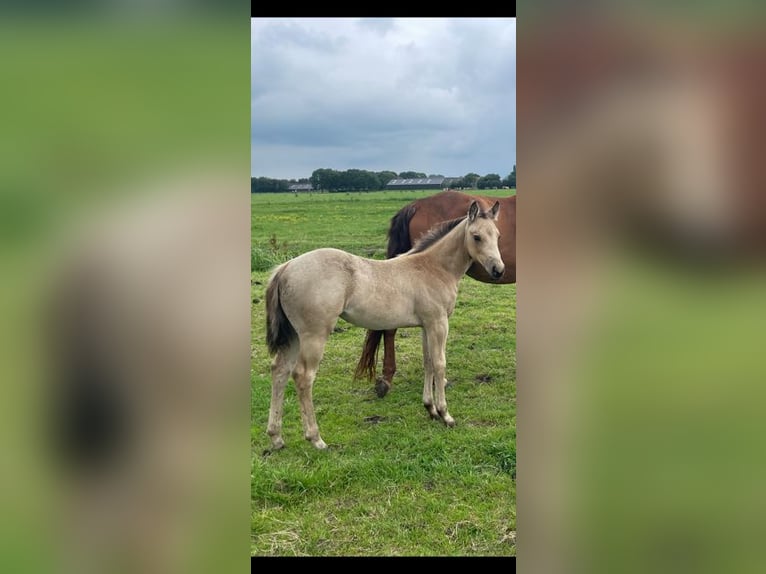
x=450, y=252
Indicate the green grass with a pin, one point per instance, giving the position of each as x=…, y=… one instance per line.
x=393, y=482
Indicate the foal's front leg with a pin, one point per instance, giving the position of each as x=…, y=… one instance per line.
x=428, y=383
x=437, y=344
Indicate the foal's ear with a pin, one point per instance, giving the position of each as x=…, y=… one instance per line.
x=473, y=211
x=495, y=209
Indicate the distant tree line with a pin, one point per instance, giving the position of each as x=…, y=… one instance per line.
x=271, y=185
x=362, y=180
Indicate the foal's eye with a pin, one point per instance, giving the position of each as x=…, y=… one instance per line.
x=477, y=237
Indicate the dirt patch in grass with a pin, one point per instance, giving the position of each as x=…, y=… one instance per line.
x=375, y=419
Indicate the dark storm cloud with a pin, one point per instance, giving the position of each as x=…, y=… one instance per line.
x=431, y=95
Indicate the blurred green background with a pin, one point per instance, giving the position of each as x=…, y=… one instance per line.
x=100, y=104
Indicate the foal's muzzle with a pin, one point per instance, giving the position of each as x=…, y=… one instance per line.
x=497, y=271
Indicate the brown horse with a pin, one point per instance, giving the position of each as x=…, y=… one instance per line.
x=407, y=226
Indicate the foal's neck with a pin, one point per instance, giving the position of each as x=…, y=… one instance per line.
x=451, y=253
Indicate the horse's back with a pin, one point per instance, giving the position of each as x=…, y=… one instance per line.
x=434, y=209
x=319, y=268
x=450, y=205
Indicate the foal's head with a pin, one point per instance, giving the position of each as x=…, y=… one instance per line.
x=481, y=239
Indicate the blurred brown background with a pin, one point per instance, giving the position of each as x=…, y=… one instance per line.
x=642, y=221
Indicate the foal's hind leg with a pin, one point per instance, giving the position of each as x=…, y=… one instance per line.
x=312, y=348
x=281, y=368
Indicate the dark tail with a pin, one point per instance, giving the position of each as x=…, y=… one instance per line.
x=280, y=333
x=369, y=358
x=90, y=414
x=399, y=240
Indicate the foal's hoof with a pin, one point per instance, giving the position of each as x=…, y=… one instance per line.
x=447, y=418
x=316, y=441
x=277, y=443
x=382, y=387
x=432, y=412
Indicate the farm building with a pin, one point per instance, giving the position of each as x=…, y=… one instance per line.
x=422, y=183
x=296, y=187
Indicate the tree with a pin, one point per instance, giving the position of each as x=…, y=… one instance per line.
x=510, y=181
x=324, y=178
x=372, y=181
x=489, y=181
x=412, y=175
x=268, y=185
x=384, y=177
x=470, y=179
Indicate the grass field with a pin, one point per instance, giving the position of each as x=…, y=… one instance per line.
x=393, y=482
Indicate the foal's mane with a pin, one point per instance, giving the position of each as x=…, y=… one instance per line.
x=435, y=234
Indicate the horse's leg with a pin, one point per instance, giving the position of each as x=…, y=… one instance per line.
x=312, y=348
x=281, y=368
x=382, y=386
x=437, y=343
x=428, y=383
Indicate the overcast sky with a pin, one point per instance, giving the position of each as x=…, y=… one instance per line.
x=430, y=95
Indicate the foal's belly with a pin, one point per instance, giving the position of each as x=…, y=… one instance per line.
x=380, y=319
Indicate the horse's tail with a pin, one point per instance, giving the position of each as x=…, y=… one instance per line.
x=369, y=358
x=399, y=240
x=280, y=333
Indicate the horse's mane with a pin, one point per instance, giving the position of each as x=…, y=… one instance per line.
x=435, y=234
